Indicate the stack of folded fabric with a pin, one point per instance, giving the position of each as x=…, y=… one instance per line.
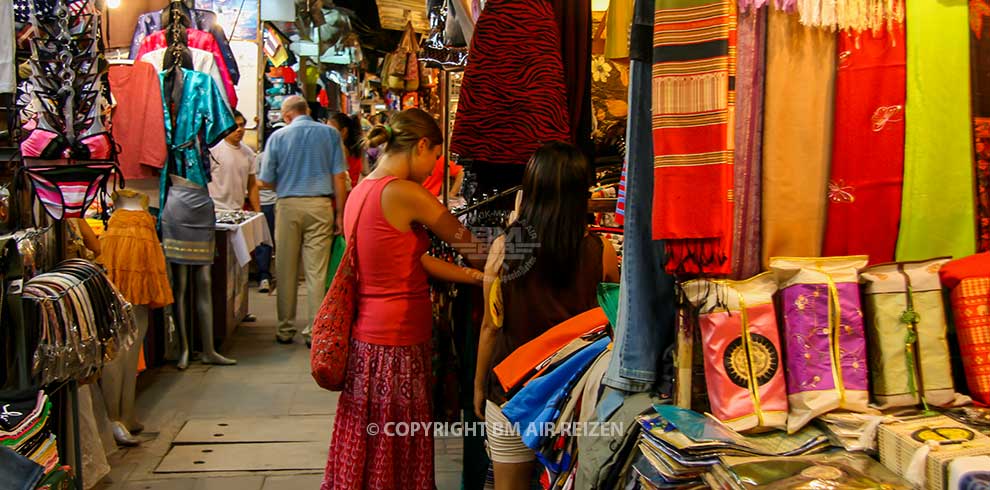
x=553, y=382
x=835, y=470
x=547, y=408
x=24, y=429
x=680, y=447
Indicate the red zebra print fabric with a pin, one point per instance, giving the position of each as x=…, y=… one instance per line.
x=513, y=96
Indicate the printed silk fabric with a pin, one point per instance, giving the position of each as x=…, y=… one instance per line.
x=693, y=124
x=513, y=96
x=864, y=191
x=824, y=335
x=741, y=344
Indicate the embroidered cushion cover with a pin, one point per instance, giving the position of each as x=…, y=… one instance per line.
x=969, y=280
x=905, y=325
x=743, y=371
x=824, y=336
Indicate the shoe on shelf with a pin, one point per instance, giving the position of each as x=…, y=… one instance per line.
x=282, y=341
x=265, y=286
x=249, y=318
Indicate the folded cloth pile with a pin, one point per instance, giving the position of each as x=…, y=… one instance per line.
x=24, y=430
x=679, y=447
x=835, y=470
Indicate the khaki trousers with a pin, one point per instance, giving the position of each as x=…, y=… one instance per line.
x=301, y=224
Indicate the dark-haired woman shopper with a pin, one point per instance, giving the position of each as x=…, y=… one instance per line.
x=538, y=291
x=379, y=441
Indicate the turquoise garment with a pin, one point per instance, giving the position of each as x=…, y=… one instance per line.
x=608, y=299
x=203, y=120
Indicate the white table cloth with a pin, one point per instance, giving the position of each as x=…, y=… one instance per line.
x=245, y=237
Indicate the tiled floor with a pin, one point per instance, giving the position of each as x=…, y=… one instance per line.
x=270, y=380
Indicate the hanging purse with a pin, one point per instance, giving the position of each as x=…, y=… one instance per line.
x=403, y=71
x=332, y=325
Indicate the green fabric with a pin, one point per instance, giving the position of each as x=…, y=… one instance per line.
x=608, y=299
x=937, y=215
x=336, y=254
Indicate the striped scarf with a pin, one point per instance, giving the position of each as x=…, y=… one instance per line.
x=693, y=122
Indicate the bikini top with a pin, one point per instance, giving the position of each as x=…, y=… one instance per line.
x=67, y=86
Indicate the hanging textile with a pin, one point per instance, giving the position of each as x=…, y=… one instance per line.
x=937, y=215
x=752, y=39
x=693, y=119
x=513, y=97
x=797, y=144
x=574, y=20
x=199, y=40
x=864, y=189
x=205, y=20
x=138, y=121
x=850, y=15
x=979, y=39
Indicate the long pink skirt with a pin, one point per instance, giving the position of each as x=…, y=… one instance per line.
x=384, y=384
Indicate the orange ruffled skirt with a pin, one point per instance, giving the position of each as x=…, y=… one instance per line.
x=134, y=258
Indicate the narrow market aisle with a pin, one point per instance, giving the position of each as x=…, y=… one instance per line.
x=274, y=414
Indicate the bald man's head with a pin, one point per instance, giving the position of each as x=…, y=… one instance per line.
x=294, y=106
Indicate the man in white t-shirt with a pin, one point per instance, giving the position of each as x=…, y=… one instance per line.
x=232, y=172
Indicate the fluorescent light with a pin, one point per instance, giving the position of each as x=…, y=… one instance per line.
x=112, y=4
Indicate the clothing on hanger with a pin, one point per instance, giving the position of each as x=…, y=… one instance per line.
x=195, y=39
x=202, y=61
x=205, y=20
x=138, y=121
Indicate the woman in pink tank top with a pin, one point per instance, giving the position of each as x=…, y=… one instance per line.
x=389, y=363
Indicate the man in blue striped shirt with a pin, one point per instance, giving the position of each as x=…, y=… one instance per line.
x=304, y=162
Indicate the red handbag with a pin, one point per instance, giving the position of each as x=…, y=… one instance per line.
x=332, y=325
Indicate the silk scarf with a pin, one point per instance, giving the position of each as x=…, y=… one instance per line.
x=937, y=215
x=979, y=20
x=693, y=120
x=797, y=136
x=752, y=36
x=864, y=190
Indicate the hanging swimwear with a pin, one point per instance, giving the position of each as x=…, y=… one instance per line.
x=67, y=191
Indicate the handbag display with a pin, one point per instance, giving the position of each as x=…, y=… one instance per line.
x=969, y=280
x=401, y=70
x=333, y=322
x=824, y=336
x=906, y=332
x=741, y=345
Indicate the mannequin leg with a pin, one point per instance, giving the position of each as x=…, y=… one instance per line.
x=112, y=383
x=180, y=281
x=204, y=313
x=130, y=372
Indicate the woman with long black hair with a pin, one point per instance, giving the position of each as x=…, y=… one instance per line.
x=549, y=268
